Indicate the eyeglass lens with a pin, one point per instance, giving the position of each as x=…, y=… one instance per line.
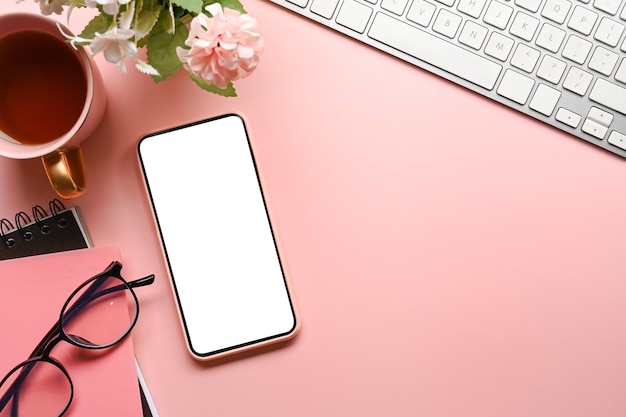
x=98, y=314
x=44, y=390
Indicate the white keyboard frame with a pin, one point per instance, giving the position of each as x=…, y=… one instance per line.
x=574, y=102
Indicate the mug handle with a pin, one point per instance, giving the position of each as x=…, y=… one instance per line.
x=65, y=169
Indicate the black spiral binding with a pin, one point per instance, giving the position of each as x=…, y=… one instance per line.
x=27, y=228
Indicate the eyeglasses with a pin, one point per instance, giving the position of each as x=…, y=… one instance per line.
x=41, y=386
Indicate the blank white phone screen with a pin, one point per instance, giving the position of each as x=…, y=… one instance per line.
x=217, y=237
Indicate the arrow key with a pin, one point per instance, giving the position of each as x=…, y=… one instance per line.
x=568, y=117
x=618, y=139
x=601, y=117
x=594, y=129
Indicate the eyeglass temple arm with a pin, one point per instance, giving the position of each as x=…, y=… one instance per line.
x=11, y=393
x=142, y=282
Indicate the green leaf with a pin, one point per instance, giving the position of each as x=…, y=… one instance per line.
x=100, y=24
x=146, y=18
x=194, y=6
x=76, y=3
x=229, y=91
x=167, y=19
x=162, y=49
x=147, y=22
x=231, y=4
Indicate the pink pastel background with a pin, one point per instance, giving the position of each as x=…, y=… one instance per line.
x=448, y=256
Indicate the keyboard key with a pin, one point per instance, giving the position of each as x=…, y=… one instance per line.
x=576, y=49
x=421, y=12
x=545, y=99
x=515, y=86
x=354, y=15
x=524, y=26
x=609, y=32
x=525, y=58
x=618, y=139
x=471, y=7
x=582, y=20
x=498, y=14
x=603, y=61
x=610, y=95
x=594, y=129
x=324, y=8
x=599, y=116
x=609, y=6
x=556, y=10
x=394, y=6
x=568, y=117
x=620, y=75
x=301, y=3
x=530, y=5
x=551, y=69
x=447, y=23
x=550, y=37
x=499, y=46
x=429, y=48
x=577, y=81
x=473, y=35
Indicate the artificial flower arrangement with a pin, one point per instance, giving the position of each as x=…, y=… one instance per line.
x=215, y=41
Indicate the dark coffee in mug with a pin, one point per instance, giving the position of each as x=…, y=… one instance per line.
x=52, y=98
x=42, y=87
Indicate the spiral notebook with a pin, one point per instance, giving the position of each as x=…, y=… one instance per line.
x=56, y=229
x=43, y=231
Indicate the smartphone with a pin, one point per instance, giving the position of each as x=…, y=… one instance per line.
x=217, y=239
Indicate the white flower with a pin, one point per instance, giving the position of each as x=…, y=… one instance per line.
x=110, y=7
x=115, y=44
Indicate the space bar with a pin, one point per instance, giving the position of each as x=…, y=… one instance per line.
x=435, y=51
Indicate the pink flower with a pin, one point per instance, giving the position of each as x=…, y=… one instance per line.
x=222, y=48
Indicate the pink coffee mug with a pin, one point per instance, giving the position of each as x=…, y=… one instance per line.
x=52, y=97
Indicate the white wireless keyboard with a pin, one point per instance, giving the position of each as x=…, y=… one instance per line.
x=562, y=62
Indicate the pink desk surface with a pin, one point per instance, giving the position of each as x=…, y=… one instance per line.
x=448, y=256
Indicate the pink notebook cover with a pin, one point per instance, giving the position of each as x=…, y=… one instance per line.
x=32, y=293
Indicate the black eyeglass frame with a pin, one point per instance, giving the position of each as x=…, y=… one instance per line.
x=56, y=334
